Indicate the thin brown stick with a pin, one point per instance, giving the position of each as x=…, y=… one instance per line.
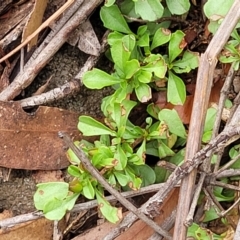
x=223, y=97
x=166, y=225
x=189, y=219
x=227, y=165
x=94, y=172
x=223, y=213
x=35, y=33
x=228, y=173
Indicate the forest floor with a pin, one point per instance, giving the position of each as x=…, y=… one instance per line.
x=18, y=180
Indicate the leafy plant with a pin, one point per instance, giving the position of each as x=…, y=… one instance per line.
x=136, y=64
x=151, y=58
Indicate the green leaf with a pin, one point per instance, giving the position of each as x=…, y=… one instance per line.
x=152, y=148
x=128, y=8
x=112, y=214
x=113, y=19
x=121, y=178
x=105, y=140
x=210, y=119
x=128, y=42
x=97, y=79
x=153, y=110
x=57, y=209
x=171, y=140
x=143, y=92
x=149, y=10
x=91, y=127
x=147, y=175
x=142, y=151
x=178, y=158
x=135, y=182
x=173, y=121
x=160, y=37
x=189, y=61
x=156, y=64
x=121, y=158
x=120, y=113
x=113, y=37
x=217, y=10
x=103, y=157
x=73, y=159
x=200, y=233
x=178, y=7
x=88, y=190
x=143, y=41
x=144, y=76
x=223, y=195
x=142, y=30
x=210, y=215
x=176, y=91
x=48, y=192
x=76, y=185
x=121, y=51
x=131, y=67
x=126, y=107
x=234, y=151
x=112, y=180
x=74, y=171
x=136, y=160
x=160, y=174
x=164, y=150
x=176, y=45
x=143, y=36
x=206, y=136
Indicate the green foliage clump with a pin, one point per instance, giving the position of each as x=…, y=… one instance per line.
x=142, y=59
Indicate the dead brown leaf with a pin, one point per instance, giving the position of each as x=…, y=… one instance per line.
x=34, y=21
x=30, y=141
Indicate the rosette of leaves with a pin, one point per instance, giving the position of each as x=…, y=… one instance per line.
x=137, y=64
